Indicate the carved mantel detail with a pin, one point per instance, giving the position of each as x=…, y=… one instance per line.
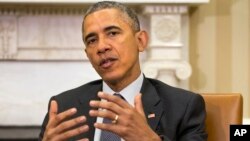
x=182, y=70
x=7, y=38
x=168, y=48
x=44, y=33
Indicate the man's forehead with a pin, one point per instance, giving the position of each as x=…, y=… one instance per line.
x=104, y=18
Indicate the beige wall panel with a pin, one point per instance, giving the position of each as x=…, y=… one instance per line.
x=223, y=46
x=241, y=51
x=203, y=48
x=220, y=48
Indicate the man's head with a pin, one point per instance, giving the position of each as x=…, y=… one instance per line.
x=113, y=41
x=129, y=14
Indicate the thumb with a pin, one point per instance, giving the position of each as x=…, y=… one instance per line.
x=138, y=104
x=53, y=109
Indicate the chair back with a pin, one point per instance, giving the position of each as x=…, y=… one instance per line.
x=222, y=111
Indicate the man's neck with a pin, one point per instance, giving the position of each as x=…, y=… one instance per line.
x=128, y=92
x=121, y=84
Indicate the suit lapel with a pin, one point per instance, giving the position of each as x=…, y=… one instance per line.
x=151, y=103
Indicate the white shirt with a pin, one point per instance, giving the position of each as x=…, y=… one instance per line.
x=128, y=93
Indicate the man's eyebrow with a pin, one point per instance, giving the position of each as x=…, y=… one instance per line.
x=89, y=35
x=112, y=27
x=108, y=28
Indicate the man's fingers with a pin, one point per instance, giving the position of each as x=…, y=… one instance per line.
x=70, y=123
x=102, y=113
x=53, y=109
x=115, y=99
x=56, y=120
x=106, y=105
x=60, y=127
x=66, y=135
x=138, y=104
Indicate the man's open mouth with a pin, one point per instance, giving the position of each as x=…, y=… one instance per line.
x=107, y=62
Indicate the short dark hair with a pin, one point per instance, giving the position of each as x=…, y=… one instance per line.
x=130, y=13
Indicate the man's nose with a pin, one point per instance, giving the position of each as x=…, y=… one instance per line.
x=103, y=46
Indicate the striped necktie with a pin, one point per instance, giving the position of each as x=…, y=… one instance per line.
x=106, y=135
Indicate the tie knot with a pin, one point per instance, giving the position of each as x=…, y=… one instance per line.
x=119, y=95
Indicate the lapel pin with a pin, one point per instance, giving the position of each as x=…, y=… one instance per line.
x=151, y=115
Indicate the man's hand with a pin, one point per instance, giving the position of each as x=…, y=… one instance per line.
x=131, y=124
x=59, y=128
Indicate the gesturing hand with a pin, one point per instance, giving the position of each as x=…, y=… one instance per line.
x=131, y=124
x=59, y=128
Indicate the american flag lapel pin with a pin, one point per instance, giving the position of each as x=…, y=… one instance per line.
x=152, y=115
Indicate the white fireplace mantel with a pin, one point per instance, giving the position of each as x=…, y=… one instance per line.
x=41, y=51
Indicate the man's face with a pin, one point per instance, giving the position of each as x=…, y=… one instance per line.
x=111, y=45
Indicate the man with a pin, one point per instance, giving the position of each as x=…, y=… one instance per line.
x=149, y=110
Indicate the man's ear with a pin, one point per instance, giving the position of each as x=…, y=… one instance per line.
x=142, y=40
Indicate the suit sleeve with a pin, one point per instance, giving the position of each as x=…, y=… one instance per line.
x=192, y=128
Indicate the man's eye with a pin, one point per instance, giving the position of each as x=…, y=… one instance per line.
x=113, y=33
x=91, y=41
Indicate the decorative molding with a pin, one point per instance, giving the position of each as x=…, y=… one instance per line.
x=165, y=30
x=165, y=9
x=43, y=31
x=51, y=55
x=41, y=10
x=8, y=35
x=165, y=53
x=43, y=34
x=182, y=69
x=168, y=49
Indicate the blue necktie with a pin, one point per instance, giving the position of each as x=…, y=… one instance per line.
x=106, y=135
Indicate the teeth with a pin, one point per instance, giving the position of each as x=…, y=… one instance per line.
x=108, y=60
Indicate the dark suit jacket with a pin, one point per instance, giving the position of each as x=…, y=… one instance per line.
x=179, y=114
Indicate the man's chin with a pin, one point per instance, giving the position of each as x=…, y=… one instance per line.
x=110, y=78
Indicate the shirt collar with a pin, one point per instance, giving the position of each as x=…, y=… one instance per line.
x=128, y=92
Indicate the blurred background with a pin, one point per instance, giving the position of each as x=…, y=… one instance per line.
x=199, y=45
